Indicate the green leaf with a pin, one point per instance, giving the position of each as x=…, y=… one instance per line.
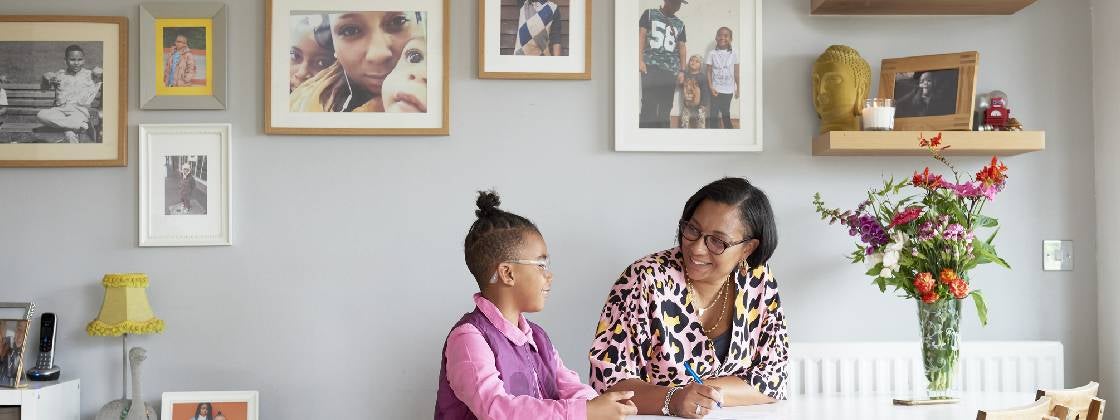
x=981, y=307
x=875, y=270
x=882, y=284
x=993, y=237
x=986, y=253
x=985, y=221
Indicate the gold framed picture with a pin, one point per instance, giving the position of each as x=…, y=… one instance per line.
x=534, y=39
x=931, y=92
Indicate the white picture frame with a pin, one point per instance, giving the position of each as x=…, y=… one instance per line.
x=746, y=110
x=238, y=405
x=497, y=39
x=185, y=185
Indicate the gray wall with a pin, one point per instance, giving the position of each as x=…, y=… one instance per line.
x=1106, y=93
x=347, y=270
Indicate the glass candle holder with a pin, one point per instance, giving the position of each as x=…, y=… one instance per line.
x=878, y=114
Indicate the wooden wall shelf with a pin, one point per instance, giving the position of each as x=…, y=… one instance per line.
x=917, y=7
x=905, y=143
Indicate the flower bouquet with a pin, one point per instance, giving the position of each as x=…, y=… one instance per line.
x=918, y=237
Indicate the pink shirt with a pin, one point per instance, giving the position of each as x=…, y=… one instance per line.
x=474, y=378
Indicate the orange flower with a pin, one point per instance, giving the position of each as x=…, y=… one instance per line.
x=930, y=297
x=925, y=179
x=959, y=289
x=931, y=143
x=948, y=276
x=924, y=283
x=993, y=174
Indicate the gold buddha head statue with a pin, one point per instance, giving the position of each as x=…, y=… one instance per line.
x=841, y=82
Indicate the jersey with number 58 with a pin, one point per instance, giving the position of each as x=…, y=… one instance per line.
x=663, y=34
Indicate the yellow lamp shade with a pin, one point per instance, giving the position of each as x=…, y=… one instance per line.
x=125, y=309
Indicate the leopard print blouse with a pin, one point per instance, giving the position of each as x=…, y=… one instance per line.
x=649, y=328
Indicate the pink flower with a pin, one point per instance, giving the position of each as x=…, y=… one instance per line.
x=953, y=232
x=958, y=288
x=967, y=189
x=926, y=231
x=906, y=216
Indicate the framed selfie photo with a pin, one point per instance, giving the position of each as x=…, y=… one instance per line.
x=931, y=92
x=185, y=195
x=664, y=99
x=63, y=91
x=183, y=55
x=357, y=67
x=14, y=320
x=534, y=39
x=216, y=405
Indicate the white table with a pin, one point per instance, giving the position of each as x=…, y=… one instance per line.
x=54, y=400
x=868, y=408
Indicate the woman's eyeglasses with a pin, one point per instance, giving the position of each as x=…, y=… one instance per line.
x=714, y=244
x=541, y=264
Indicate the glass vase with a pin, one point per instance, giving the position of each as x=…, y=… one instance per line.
x=940, y=322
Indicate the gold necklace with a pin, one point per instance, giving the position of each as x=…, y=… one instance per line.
x=722, y=313
x=715, y=300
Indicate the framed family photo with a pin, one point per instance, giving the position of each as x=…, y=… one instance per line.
x=216, y=405
x=185, y=195
x=931, y=92
x=693, y=65
x=534, y=39
x=14, y=319
x=357, y=67
x=63, y=90
x=183, y=55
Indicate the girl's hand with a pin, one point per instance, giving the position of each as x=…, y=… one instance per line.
x=611, y=406
x=695, y=401
x=736, y=93
x=642, y=67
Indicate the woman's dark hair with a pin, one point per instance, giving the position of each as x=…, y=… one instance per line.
x=321, y=33
x=209, y=411
x=494, y=237
x=754, y=212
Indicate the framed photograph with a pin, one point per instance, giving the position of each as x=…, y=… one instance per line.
x=534, y=39
x=63, y=90
x=357, y=67
x=931, y=92
x=696, y=65
x=183, y=55
x=216, y=405
x=185, y=197
x=14, y=319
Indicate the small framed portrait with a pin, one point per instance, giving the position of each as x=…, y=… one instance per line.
x=357, y=67
x=14, y=319
x=697, y=65
x=183, y=56
x=534, y=39
x=212, y=405
x=185, y=197
x=63, y=90
x=931, y=92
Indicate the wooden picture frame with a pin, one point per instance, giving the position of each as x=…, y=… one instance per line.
x=356, y=98
x=940, y=94
x=185, y=185
x=234, y=405
x=208, y=87
x=52, y=115
x=500, y=58
x=15, y=318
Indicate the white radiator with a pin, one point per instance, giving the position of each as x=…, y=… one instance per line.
x=895, y=368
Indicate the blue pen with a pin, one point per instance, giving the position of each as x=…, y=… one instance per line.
x=692, y=373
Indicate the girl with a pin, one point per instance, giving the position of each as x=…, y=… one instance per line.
x=496, y=364
x=723, y=79
x=311, y=51
x=203, y=412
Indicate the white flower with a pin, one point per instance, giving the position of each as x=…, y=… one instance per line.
x=886, y=273
x=898, y=241
x=874, y=259
x=890, y=259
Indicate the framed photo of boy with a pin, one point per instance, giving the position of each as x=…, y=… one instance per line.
x=357, y=67
x=63, y=90
x=931, y=92
x=688, y=64
x=185, y=188
x=183, y=55
x=534, y=39
x=215, y=405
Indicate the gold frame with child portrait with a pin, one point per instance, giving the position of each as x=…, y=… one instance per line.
x=202, y=27
x=102, y=138
x=400, y=86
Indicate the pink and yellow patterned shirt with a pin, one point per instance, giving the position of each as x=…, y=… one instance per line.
x=649, y=328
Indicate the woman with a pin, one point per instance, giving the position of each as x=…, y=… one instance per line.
x=311, y=50
x=368, y=46
x=710, y=303
x=203, y=412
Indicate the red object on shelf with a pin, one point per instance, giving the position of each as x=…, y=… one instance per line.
x=997, y=113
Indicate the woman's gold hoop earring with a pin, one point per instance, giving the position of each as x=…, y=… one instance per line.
x=743, y=268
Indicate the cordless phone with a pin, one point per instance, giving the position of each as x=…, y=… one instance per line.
x=45, y=370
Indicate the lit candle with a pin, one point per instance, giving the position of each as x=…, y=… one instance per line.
x=878, y=114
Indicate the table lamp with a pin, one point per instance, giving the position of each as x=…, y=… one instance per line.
x=125, y=311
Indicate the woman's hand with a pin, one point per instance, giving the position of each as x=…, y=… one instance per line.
x=695, y=401
x=611, y=406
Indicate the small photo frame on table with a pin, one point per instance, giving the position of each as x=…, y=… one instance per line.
x=931, y=92
x=14, y=320
x=63, y=91
x=231, y=405
x=185, y=187
x=655, y=97
x=357, y=67
x=183, y=55
x=534, y=39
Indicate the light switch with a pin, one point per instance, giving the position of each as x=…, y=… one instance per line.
x=1057, y=255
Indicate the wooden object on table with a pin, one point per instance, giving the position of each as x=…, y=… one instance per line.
x=1039, y=409
x=917, y=7
x=905, y=143
x=1081, y=401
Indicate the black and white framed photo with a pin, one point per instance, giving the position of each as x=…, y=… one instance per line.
x=693, y=80
x=534, y=39
x=931, y=92
x=63, y=90
x=185, y=196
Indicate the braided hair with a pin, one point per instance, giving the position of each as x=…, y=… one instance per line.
x=494, y=237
